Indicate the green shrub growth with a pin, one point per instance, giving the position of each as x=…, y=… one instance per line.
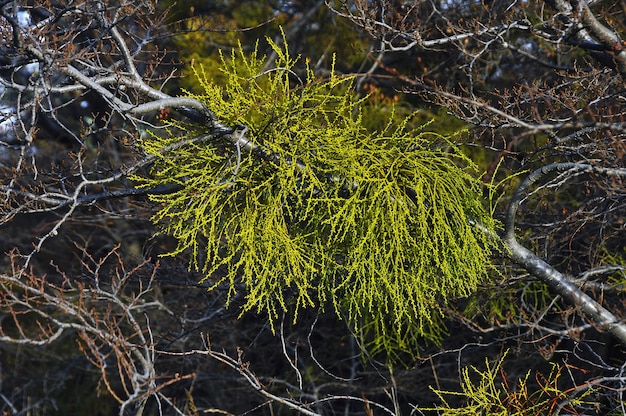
x=376, y=224
x=491, y=393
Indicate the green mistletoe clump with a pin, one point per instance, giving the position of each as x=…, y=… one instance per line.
x=303, y=206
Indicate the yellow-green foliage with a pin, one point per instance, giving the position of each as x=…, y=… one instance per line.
x=226, y=26
x=376, y=224
x=490, y=393
x=616, y=260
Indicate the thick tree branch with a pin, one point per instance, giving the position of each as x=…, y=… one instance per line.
x=602, y=43
x=559, y=283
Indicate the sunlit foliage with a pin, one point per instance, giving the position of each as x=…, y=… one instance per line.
x=490, y=392
x=375, y=224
